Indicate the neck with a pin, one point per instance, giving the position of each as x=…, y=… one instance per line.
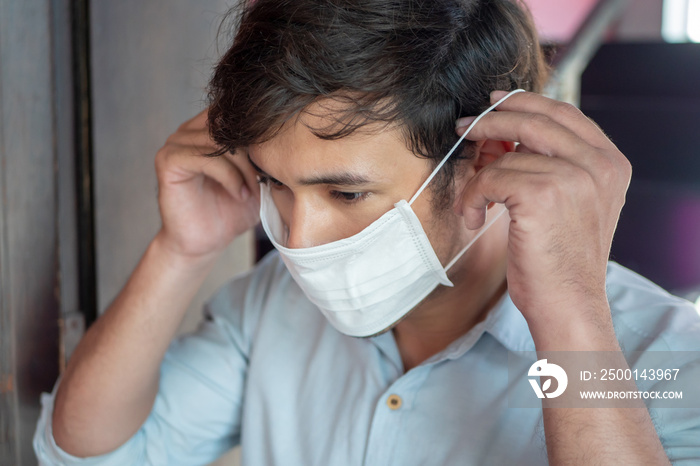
x=449, y=313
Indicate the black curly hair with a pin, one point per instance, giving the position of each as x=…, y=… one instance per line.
x=420, y=64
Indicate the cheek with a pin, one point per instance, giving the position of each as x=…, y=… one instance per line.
x=284, y=200
x=445, y=228
x=314, y=218
x=348, y=220
x=446, y=236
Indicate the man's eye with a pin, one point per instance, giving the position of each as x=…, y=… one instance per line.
x=348, y=196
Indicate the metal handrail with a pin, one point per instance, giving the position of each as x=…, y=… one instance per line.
x=570, y=61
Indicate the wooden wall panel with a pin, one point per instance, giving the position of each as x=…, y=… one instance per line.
x=150, y=64
x=28, y=234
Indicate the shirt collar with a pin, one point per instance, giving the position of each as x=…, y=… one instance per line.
x=504, y=322
x=509, y=326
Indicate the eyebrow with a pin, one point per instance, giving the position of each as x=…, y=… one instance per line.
x=337, y=179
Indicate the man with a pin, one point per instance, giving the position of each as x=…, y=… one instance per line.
x=341, y=110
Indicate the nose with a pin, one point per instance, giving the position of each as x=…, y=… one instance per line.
x=309, y=225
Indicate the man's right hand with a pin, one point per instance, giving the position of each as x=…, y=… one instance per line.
x=112, y=378
x=205, y=202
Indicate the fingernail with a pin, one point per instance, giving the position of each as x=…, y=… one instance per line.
x=498, y=95
x=464, y=122
x=245, y=193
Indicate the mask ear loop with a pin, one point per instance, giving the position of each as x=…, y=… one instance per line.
x=442, y=162
x=478, y=235
x=469, y=128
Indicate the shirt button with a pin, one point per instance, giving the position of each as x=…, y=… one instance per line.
x=393, y=402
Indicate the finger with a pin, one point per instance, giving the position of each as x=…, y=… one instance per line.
x=193, y=137
x=524, y=193
x=229, y=176
x=564, y=113
x=538, y=132
x=537, y=163
x=189, y=163
x=523, y=149
x=476, y=197
x=240, y=160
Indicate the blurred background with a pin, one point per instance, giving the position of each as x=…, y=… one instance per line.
x=89, y=90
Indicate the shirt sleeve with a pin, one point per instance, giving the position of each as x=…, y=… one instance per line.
x=667, y=330
x=196, y=416
x=679, y=428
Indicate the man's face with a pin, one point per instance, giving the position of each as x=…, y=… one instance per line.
x=330, y=190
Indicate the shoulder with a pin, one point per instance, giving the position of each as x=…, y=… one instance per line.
x=240, y=304
x=647, y=317
x=268, y=278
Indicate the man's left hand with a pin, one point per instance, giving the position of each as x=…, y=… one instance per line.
x=564, y=187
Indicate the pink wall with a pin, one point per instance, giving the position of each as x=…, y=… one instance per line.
x=557, y=20
x=641, y=21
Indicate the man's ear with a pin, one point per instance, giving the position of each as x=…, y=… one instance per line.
x=488, y=151
x=485, y=152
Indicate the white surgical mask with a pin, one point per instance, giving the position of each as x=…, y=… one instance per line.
x=366, y=283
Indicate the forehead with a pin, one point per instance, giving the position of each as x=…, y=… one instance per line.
x=300, y=146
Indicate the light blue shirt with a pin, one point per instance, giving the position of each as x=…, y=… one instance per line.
x=267, y=371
